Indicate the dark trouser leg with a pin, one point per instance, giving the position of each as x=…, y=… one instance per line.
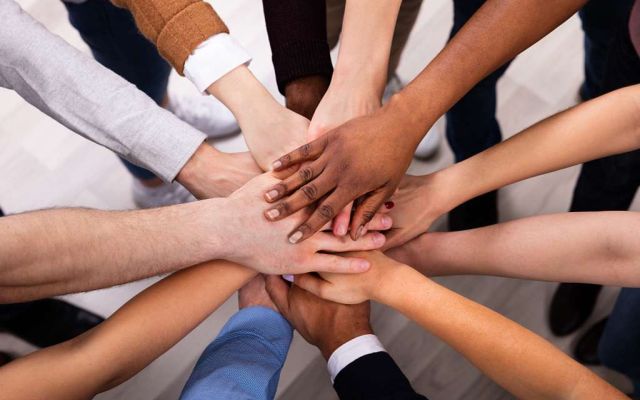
x=619, y=347
x=471, y=128
x=114, y=40
x=601, y=20
x=609, y=183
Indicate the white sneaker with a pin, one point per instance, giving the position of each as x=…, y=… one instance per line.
x=166, y=194
x=205, y=113
x=430, y=144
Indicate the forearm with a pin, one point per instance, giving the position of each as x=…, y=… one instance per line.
x=53, y=252
x=495, y=34
x=604, y=126
x=264, y=122
x=133, y=337
x=365, y=44
x=515, y=358
x=550, y=247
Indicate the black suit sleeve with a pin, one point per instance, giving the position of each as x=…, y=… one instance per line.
x=297, y=32
x=374, y=377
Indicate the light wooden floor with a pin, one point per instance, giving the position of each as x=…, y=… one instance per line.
x=45, y=165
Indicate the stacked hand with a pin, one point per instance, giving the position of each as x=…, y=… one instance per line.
x=352, y=289
x=324, y=324
x=360, y=158
x=247, y=227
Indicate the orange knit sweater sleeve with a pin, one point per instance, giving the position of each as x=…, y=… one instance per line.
x=176, y=27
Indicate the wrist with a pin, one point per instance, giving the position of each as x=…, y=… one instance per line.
x=193, y=175
x=303, y=95
x=209, y=227
x=336, y=338
x=243, y=94
x=395, y=277
x=367, y=79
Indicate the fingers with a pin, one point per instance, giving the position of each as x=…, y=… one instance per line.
x=279, y=292
x=327, y=242
x=324, y=213
x=312, y=284
x=338, y=264
x=304, y=174
x=307, y=195
x=380, y=222
x=341, y=222
x=306, y=152
x=366, y=211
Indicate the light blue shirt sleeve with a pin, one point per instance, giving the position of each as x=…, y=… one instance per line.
x=245, y=360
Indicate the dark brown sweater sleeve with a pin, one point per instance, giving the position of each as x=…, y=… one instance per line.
x=176, y=27
x=298, y=36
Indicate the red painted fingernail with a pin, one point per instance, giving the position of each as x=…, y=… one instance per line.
x=389, y=205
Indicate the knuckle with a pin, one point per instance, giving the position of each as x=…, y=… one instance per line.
x=305, y=150
x=326, y=211
x=284, y=208
x=367, y=216
x=305, y=174
x=286, y=159
x=310, y=191
x=305, y=229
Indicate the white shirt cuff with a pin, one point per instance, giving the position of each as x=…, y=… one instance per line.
x=214, y=58
x=351, y=351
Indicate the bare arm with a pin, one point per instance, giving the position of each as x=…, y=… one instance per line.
x=517, y=359
x=607, y=125
x=138, y=333
x=53, y=252
x=368, y=156
x=599, y=247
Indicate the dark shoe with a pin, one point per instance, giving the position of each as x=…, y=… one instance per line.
x=1, y=213
x=48, y=322
x=571, y=306
x=475, y=213
x=586, y=351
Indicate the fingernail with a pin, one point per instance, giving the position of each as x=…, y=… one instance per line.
x=288, y=278
x=359, y=231
x=387, y=221
x=272, y=194
x=277, y=164
x=361, y=265
x=273, y=214
x=293, y=239
x=342, y=230
x=378, y=239
x=389, y=205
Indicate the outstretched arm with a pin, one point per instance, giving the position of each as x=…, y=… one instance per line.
x=54, y=252
x=138, y=333
x=593, y=247
x=369, y=155
x=607, y=125
x=517, y=359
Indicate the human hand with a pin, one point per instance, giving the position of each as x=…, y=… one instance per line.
x=418, y=202
x=211, y=173
x=324, y=324
x=364, y=157
x=253, y=241
x=353, y=289
x=254, y=294
x=346, y=99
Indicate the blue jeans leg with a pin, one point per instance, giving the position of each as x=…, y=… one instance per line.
x=619, y=347
x=115, y=42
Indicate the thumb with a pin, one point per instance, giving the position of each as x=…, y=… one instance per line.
x=278, y=290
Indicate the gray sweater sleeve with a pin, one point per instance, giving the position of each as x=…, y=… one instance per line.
x=89, y=99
